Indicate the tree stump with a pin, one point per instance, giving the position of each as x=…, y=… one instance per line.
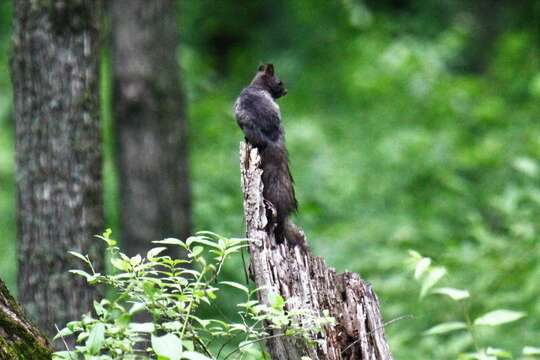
x=306, y=282
x=19, y=339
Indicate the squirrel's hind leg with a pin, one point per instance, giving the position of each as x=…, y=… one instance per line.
x=274, y=225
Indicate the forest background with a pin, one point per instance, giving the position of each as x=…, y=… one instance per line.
x=410, y=125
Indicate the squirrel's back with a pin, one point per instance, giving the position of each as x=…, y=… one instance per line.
x=259, y=117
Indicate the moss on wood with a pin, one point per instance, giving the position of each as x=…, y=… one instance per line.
x=19, y=338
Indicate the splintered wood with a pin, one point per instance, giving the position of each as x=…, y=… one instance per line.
x=307, y=283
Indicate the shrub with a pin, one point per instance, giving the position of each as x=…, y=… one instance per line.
x=171, y=292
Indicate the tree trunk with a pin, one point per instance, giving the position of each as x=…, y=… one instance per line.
x=149, y=123
x=19, y=339
x=305, y=282
x=58, y=154
x=487, y=26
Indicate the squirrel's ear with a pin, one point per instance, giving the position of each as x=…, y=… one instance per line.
x=269, y=69
x=261, y=67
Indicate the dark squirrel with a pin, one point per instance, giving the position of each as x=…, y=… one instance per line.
x=259, y=117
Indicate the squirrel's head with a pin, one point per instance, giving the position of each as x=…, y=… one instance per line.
x=267, y=79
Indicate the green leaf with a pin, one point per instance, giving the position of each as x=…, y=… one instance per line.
x=152, y=253
x=454, y=294
x=99, y=308
x=149, y=288
x=83, y=274
x=96, y=339
x=530, y=351
x=80, y=256
x=196, y=239
x=106, y=236
x=64, y=355
x=251, y=348
x=415, y=255
x=432, y=278
x=236, y=285
x=499, y=353
x=173, y=326
x=526, y=165
x=188, y=344
x=81, y=337
x=190, y=355
x=147, y=327
x=197, y=250
x=168, y=346
x=118, y=263
x=136, y=307
x=498, y=317
x=169, y=241
x=421, y=267
x=135, y=260
x=445, y=328
x=62, y=333
x=107, y=233
x=204, y=322
x=481, y=355
x=123, y=320
x=276, y=301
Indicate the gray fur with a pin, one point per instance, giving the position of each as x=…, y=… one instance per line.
x=259, y=117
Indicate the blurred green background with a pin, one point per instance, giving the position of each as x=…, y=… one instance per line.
x=410, y=125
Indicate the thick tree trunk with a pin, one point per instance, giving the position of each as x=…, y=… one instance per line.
x=58, y=154
x=306, y=282
x=19, y=339
x=150, y=123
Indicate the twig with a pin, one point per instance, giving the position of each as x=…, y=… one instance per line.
x=226, y=343
x=252, y=342
x=244, y=266
x=64, y=341
x=389, y=322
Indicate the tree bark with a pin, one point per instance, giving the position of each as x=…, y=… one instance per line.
x=19, y=339
x=487, y=26
x=150, y=125
x=58, y=154
x=306, y=282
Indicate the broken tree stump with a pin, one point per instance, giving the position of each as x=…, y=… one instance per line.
x=307, y=283
x=19, y=338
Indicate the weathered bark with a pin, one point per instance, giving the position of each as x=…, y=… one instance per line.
x=19, y=338
x=58, y=154
x=149, y=123
x=306, y=282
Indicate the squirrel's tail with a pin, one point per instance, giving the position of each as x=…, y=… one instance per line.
x=279, y=190
x=287, y=230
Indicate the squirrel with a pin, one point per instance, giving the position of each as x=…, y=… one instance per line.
x=258, y=115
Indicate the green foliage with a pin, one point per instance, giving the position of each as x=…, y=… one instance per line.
x=8, y=268
x=394, y=144
x=424, y=273
x=170, y=292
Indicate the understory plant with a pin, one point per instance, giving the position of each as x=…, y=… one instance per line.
x=167, y=294
x=429, y=275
